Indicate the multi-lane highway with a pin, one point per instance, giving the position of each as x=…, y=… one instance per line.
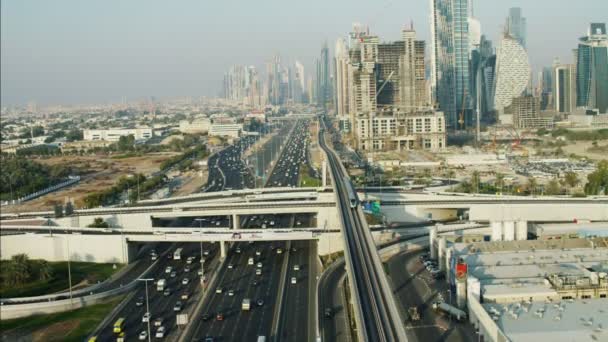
x=238, y=280
x=161, y=304
x=296, y=322
x=378, y=318
x=286, y=171
x=224, y=318
x=227, y=170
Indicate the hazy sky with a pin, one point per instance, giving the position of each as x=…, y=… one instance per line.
x=93, y=51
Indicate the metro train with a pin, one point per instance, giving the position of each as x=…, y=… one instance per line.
x=352, y=195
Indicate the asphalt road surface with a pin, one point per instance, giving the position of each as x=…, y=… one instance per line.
x=334, y=327
x=414, y=286
x=240, y=278
x=296, y=323
x=227, y=170
x=286, y=172
x=160, y=304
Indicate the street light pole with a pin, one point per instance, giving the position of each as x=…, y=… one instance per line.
x=146, y=280
x=69, y=269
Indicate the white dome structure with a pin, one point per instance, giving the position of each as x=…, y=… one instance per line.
x=512, y=72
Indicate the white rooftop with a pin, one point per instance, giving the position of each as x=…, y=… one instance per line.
x=565, y=321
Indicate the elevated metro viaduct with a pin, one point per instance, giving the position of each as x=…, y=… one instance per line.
x=508, y=216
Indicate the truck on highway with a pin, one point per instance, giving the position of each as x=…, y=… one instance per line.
x=246, y=305
x=177, y=255
x=160, y=284
x=450, y=310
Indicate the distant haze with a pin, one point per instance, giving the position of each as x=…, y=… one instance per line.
x=75, y=51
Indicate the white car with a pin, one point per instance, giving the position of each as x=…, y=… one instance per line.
x=230, y=293
x=160, y=332
x=293, y=280
x=259, y=265
x=168, y=269
x=185, y=281
x=296, y=267
x=158, y=322
x=218, y=290
x=143, y=335
x=258, y=271
x=146, y=317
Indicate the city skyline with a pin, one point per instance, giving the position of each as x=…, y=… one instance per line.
x=115, y=54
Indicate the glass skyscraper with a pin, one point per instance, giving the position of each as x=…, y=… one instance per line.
x=592, y=69
x=450, y=75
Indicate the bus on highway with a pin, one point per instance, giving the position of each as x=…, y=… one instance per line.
x=119, y=325
x=177, y=255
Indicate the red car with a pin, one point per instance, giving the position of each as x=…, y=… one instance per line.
x=219, y=317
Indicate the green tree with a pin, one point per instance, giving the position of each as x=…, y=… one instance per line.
x=69, y=209
x=571, y=179
x=45, y=271
x=500, y=180
x=597, y=181
x=58, y=208
x=532, y=185
x=98, y=222
x=475, y=181
x=126, y=143
x=18, y=270
x=553, y=188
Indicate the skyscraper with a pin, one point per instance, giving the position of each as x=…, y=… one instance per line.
x=564, y=88
x=342, y=81
x=450, y=79
x=413, y=93
x=512, y=72
x=299, y=83
x=592, y=69
x=516, y=26
x=323, y=82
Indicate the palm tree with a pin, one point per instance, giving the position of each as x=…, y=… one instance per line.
x=475, y=181
x=19, y=269
x=45, y=270
x=449, y=174
x=500, y=179
x=532, y=184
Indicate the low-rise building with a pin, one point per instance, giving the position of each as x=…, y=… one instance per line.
x=522, y=290
x=114, y=134
x=229, y=130
x=402, y=131
x=196, y=126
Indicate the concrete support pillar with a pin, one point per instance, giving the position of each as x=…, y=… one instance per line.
x=461, y=292
x=222, y=249
x=496, y=227
x=508, y=230
x=441, y=256
x=521, y=230
x=236, y=222
x=132, y=250
x=324, y=173
x=432, y=238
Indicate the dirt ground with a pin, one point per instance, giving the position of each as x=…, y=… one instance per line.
x=55, y=332
x=580, y=148
x=97, y=173
x=191, y=183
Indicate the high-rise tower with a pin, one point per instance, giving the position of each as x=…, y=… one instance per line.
x=450, y=78
x=516, y=26
x=592, y=69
